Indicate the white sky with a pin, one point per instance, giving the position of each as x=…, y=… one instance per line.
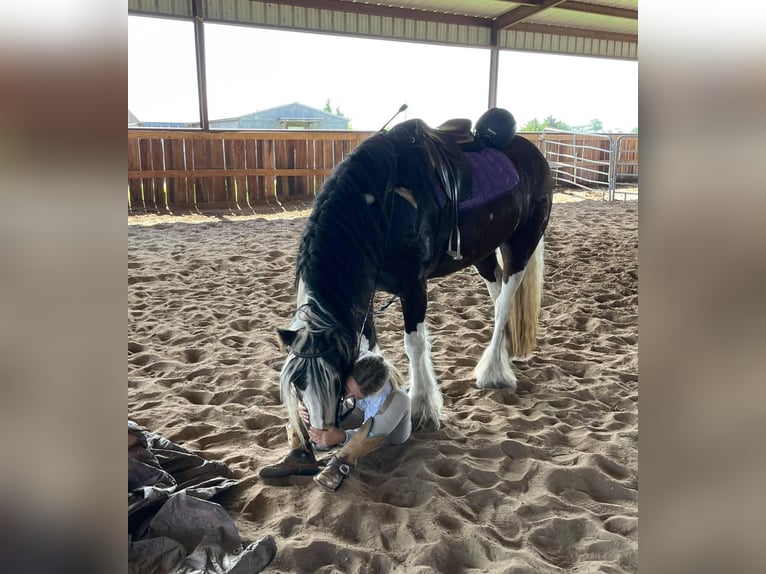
x=251, y=69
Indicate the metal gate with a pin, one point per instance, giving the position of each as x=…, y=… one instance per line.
x=592, y=161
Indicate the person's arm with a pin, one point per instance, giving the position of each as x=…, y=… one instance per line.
x=371, y=407
x=328, y=437
x=333, y=436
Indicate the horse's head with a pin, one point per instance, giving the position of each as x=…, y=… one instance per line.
x=321, y=355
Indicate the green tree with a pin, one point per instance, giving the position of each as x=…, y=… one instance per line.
x=551, y=122
x=532, y=125
x=634, y=130
x=596, y=125
x=328, y=108
x=535, y=125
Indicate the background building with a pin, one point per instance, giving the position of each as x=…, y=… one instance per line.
x=290, y=116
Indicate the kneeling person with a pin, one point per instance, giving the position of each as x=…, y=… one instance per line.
x=377, y=387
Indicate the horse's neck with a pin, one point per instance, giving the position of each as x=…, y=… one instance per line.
x=343, y=289
x=349, y=312
x=346, y=237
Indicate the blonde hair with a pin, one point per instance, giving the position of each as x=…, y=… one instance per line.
x=371, y=373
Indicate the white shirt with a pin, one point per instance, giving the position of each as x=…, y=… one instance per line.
x=371, y=405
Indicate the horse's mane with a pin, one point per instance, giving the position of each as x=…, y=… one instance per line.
x=343, y=242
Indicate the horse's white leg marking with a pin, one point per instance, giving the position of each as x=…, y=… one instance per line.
x=494, y=368
x=424, y=391
x=495, y=286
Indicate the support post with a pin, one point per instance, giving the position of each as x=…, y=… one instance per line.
x=198, y=10
x=494, y=59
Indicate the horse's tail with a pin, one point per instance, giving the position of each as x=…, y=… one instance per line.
x=521, y=329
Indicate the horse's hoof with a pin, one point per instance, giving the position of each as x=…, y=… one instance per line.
x=430, y=426
x=425, y=411
x=426, y=423
x=496, y=384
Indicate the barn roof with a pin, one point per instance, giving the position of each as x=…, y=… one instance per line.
x=602, y=28
x=295, y=110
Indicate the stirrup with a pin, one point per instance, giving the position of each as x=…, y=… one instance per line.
x=455, y=254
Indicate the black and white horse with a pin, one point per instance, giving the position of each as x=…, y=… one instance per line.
x=386, y=220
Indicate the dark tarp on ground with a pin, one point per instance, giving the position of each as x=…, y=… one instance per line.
x=173, y=527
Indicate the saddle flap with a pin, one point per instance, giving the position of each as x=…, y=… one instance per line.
x=448, y=160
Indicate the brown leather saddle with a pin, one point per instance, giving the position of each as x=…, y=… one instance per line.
x=444, y=147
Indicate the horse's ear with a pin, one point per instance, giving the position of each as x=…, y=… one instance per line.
x=287, y=337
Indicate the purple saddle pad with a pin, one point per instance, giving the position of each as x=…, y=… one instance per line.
x=493, y=175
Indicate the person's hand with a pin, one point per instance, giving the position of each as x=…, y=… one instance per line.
x=304, y=412
x=327, y=436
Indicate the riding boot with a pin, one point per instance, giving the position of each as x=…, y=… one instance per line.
x=299, y=460
x=341, y=464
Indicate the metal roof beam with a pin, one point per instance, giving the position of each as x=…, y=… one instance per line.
x=513, y=17
x=526, y=2
x=599, y=9
x=578, y=32
x=387, y=11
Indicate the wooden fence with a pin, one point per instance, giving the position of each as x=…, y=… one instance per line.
x=187, y=170
x=171, y=171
